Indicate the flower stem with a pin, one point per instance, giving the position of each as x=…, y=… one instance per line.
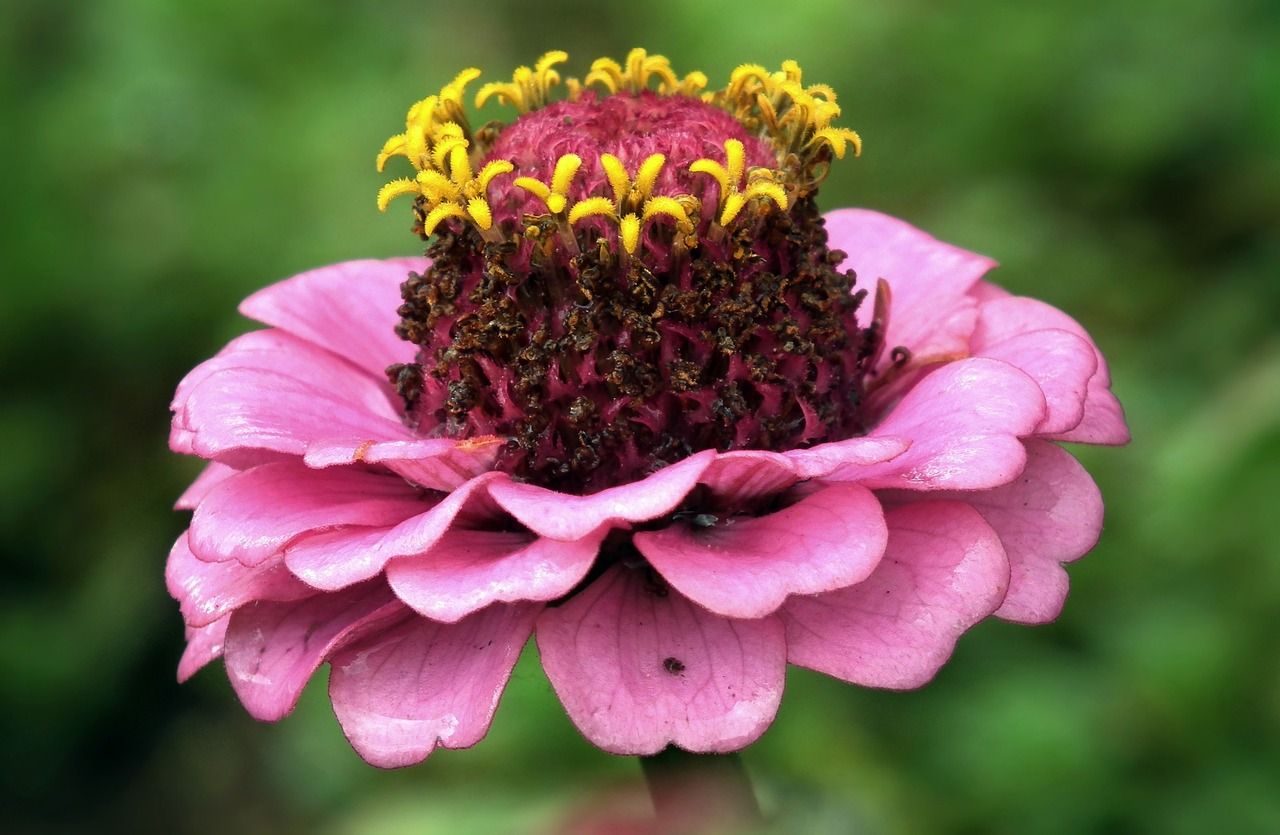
x=700, y=792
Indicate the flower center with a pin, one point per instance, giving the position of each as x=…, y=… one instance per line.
x=632, y=276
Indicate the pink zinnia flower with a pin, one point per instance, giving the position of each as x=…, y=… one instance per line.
x=635, y=405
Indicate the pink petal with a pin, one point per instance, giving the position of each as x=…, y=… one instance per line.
x=639, y=667
x=1061, y=363
x=337, y=559
x=255, y=514
x=403, y=691
x=349, y=309
x=1003, y=317
x=272, y=649
x=1103, y=421
x=212, y=475
x=963, y=421
x=283, y=400
x=744, y=475
x=931, y=313
x=824, y=459
x=209, y=591
x=744, y=567
x=944, y=570
x=562, y=516
x=1050, y=515
x=469, y=569
x=204, y=644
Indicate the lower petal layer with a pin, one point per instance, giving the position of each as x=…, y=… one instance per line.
x=272, y=649
x=638, y=667
x=1050, y=515
x=744, y=567
x=964, y=421
x=943, y=571
x=204, y=644
x=209, y=591
x=469, y=569
x=403, y=691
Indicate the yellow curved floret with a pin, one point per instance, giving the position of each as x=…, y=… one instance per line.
x=439, y=213
x=394, y=189
x=761, y=183
x=529, y=89
x=629, y=232
x=640, y=67
x=554, y=196
x=591, y=207
x=837, y=139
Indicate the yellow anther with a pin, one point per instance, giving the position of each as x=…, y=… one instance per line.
x=608, y=72
x=394, y=189
x=556, y=196
x=438, y=188
x=591, y=207
x=394, y=147
x=647, y=176
x=690, y=86
x=766, y=189
x=566, y=167
x=745, y=80
x=439, y=213
x=493, y=169
x=761, y=182
x=529, y=89
x=837, y=139
x=640, y=67
x=617, y=174
x=478, y=208
x=670, y=207
x=629, y=232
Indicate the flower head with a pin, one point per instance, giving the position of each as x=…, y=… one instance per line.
x=642, y=401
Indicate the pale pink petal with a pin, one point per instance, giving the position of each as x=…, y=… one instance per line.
x=638, y=667
x=944, y=570
x=210, y=477
x=470, y=569
x=204, y=644
x=744, y=567
x=348, y=308
x=744, y=475
x=738, y=477
x=1050, y=515
x=209, y=591
x=561, y=516
x=441, y=464
x=1103, y=421
x=1003, y=317
x=403, y=691
x=255, y=514
x=931, y=312
x=282, y=400
x=337, y=559
x=963, y=421
x=1061, y=363
x=824, y=459
x=272, y=649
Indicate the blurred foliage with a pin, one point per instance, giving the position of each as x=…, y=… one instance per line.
x=161, y=160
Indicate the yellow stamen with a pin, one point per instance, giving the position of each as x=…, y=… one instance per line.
x=439, y=213
x=394, y=189
x=629, y=232
x=529, y=89
x=591, y=207
x=556, y=196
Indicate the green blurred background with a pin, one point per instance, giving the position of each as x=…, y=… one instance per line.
x=161, y=160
